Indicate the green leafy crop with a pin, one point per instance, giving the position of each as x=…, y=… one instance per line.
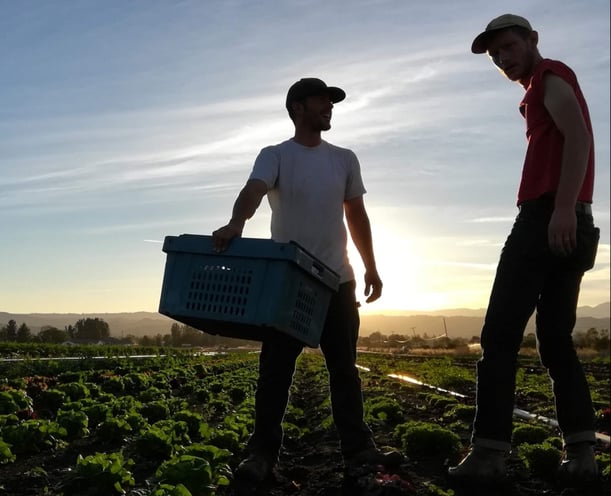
x=101, y=474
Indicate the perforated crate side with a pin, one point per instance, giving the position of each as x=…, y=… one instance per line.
x=295, y=302
x=213, y=287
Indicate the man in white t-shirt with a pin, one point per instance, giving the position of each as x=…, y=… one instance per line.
x=311, y=186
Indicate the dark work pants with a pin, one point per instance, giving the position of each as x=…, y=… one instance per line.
x=530, y=278
x=277, y=367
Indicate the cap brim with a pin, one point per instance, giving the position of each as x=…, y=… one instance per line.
x=480, y=43
x=336, y=94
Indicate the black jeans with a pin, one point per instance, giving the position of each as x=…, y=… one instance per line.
x=277, y=367
x=528, y=278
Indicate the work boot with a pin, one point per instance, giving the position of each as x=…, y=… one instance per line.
x=370, y=458
x=481, y=466
x=255, y=468
x=578, y=463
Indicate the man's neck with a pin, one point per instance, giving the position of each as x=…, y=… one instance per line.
x=525, y=82
x=307, y=138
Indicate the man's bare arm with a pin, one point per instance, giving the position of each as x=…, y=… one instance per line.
x=360, y=231
x=563, y=107
x=244, y=208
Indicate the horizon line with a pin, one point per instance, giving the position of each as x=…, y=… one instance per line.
x=363, y=311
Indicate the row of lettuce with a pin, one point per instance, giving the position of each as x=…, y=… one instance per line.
x=177, y=420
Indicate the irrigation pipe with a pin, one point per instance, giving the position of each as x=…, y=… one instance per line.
x=57, y=359
x=518, y=412
x=411, y=380
x=523, y=414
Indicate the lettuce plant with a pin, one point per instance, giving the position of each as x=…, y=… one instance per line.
x=194, y=472
x=541, y=459
x=155, y=444
x=423, y=439
x=32, y=436
x=76, y=423
x=100, y=474
x=6, y=455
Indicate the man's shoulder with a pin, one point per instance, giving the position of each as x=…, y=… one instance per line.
x=556, y=67
x=278, y=146
x=553, y=62
x=339, y=149
x=336, y=147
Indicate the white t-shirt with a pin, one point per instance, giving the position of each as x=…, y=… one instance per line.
x=307, y=187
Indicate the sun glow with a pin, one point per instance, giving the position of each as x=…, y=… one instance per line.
x=400, y=265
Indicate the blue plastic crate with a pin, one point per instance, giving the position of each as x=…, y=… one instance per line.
x=255, y=288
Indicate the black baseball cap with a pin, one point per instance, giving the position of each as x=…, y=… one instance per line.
x=306, y=87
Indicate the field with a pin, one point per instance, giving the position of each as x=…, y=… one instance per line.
x=177, y=425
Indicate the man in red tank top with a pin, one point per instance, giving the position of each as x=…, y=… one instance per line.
x=552, y=243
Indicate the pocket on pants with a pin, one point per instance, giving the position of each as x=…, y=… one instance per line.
x=584, y=256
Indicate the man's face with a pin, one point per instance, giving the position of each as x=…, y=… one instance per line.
x=317, y=112
x=514, y=55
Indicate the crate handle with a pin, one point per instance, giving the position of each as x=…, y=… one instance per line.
x=321, y=267
x=318, y=269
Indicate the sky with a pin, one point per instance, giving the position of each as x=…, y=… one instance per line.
x=125, y=122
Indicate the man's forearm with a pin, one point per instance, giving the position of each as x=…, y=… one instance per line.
x=361, y=236
x=247, y=202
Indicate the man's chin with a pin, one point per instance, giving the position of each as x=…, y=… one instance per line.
x=513, y=76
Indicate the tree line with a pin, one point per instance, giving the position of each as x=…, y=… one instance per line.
x=93, y=330
x=83, y=329
x=593, y=339
x=180, y=335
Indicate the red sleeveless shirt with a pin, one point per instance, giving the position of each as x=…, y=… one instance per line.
x=543, y=161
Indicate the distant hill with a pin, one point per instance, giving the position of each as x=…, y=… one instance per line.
x=457, y=326
x=465, y=323
x=458, y=322
x=599, y=311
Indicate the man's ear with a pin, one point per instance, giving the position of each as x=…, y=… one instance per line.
x=297, y=107
x=534, y=37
